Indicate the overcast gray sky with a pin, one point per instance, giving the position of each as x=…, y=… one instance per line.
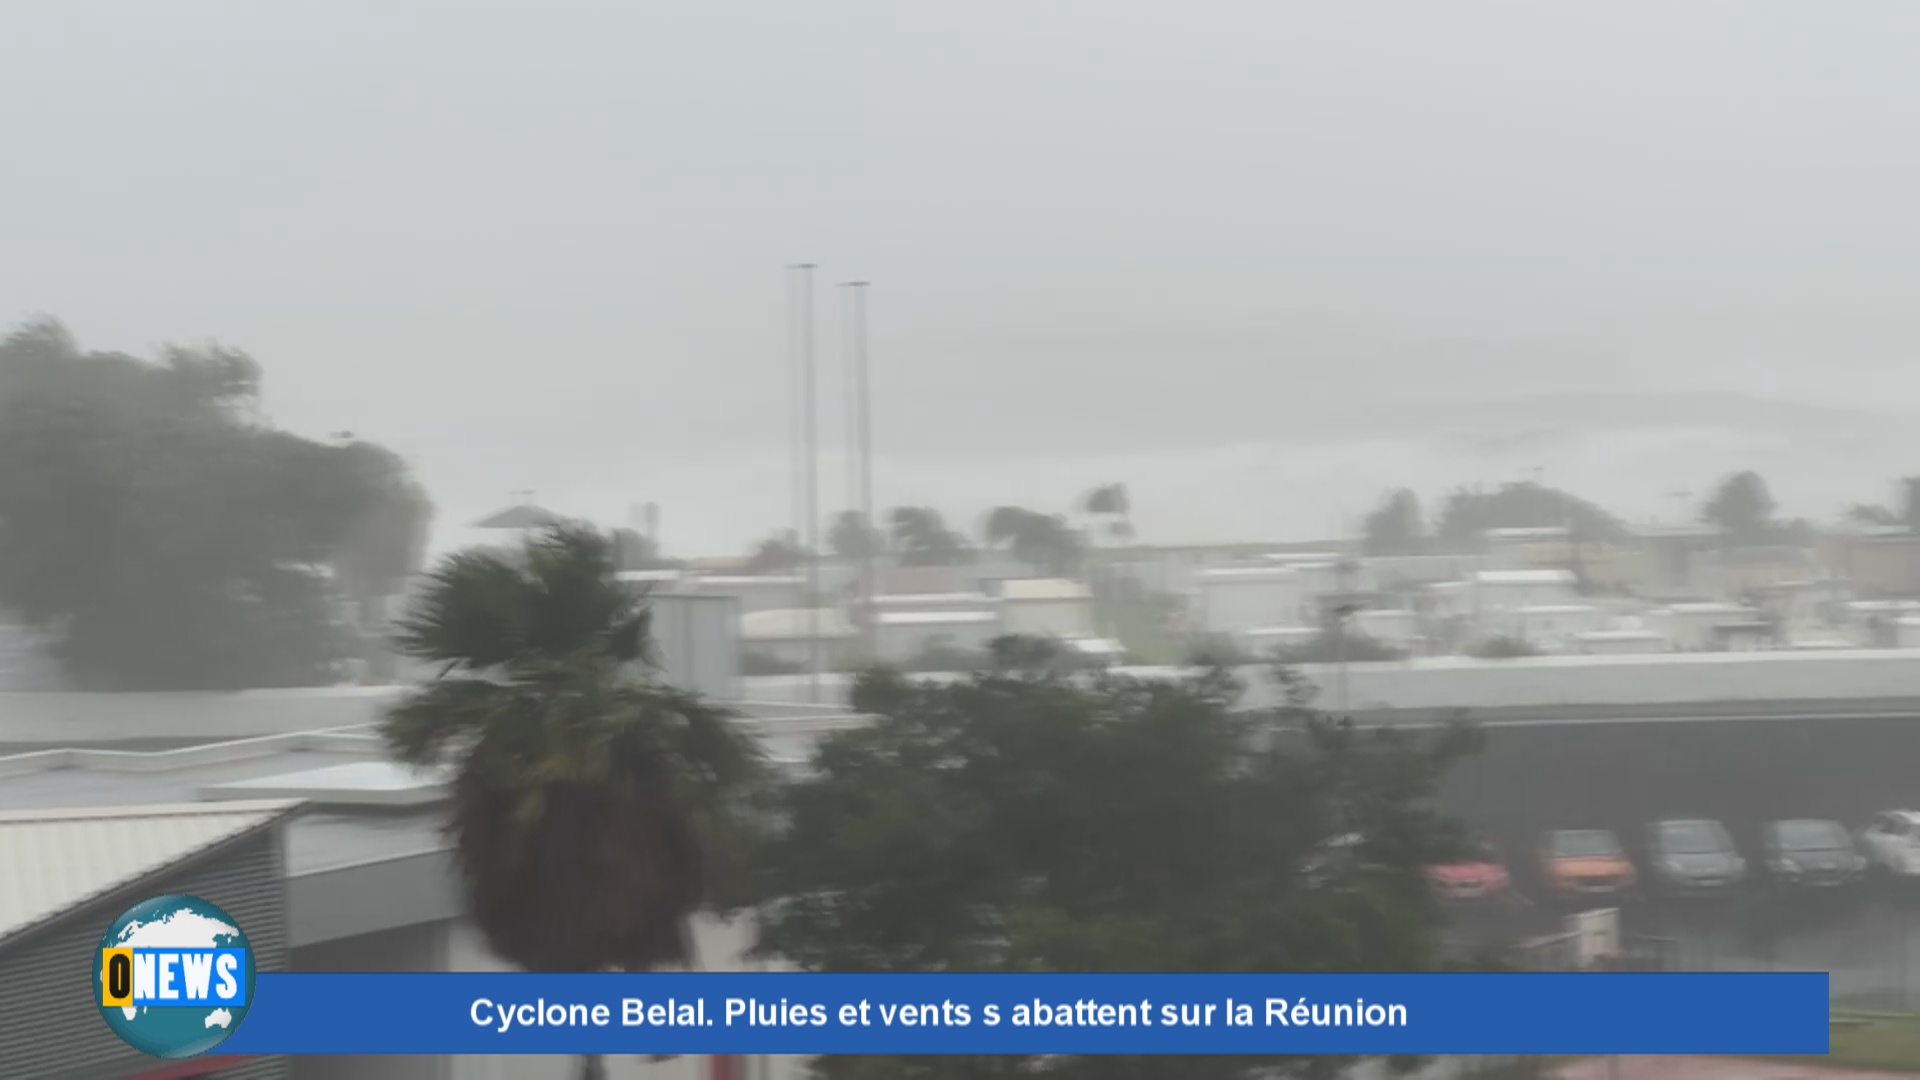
x=1246, y=256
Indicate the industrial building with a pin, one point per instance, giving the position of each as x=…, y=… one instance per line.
x=331, y=857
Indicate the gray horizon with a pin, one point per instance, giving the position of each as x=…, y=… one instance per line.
x=1259, y=263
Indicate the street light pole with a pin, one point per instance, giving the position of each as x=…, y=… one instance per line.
x=860, y=445
x=808, y=532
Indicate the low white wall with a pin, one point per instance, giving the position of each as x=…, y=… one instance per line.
x=1459, y=682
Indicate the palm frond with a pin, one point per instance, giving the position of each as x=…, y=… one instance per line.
x=473, y=613
x=425, y=726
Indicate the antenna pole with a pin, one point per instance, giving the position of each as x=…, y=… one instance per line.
x=809, y=533
x=860, y=413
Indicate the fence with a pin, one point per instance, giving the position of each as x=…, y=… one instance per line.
x=1868, y=942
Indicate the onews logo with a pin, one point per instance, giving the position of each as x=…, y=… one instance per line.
x=174, y=976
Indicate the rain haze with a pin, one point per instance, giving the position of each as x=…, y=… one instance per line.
x=1257, y=261
x=1347, y=487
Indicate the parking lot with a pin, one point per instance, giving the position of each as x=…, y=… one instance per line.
x=1866, y=937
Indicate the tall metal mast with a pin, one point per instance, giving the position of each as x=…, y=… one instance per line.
x=860, y=447
x=807, y=530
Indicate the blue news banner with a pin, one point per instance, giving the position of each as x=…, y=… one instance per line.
x=695, y=1013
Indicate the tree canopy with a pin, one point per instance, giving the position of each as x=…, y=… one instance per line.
x=921, y=538
x=852, y=536
x=1467, y=515
x=1026, y=819
x=1396, y=526
x=1743, y=508
x=1044, y=542
x=168, y=537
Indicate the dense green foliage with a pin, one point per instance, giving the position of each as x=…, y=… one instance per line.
x=168, y=537
x=1025, y=819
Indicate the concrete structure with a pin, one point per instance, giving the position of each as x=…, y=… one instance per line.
x=753, y=592
x=1673, y=561
x=788, y=636
x=1881, y=562
x=1264, y=641
x=1497, y=592
x=949, y=601
x=1533, y=548
x=1547, y=627
x=900, y=636
x=696, y=641
x=1875, y=624
x=1626, y=641
x=1738, y=571
x=1698, y=627
x=1403, y=573
x=1396, y=627
x=1236, y=599
x=1046, y=607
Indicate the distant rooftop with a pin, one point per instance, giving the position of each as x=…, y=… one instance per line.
x=935, y=618
x=1543, y=532
x=1524, y=577
x=1558, y=609
x=1247, y=573
x=1021, y=589
x=789, y=624
x=524, y=516
x=748, y=581
x=945, y=599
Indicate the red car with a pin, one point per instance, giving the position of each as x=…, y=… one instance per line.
x=1481, y=873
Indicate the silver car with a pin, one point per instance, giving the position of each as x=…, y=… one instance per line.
x=1694, y=855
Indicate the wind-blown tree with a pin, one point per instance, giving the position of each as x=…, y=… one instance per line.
x=1467, y=515
x=777, y=554
x=851, y=536
x=1396, y=526
x=635, y=550
x=1110, y=505
x=595, y=809
x=168, y=537
x=921, y=538
x=1025, y=819
x=1743, y=508
x=1044, y=542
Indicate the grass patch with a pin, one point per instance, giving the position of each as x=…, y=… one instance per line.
x=1882, y=1044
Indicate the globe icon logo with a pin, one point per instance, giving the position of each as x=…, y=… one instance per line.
x=174, y=976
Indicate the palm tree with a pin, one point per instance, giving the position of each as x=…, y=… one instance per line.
x=594, y=808
x=921, y=538
x=1042, y=541
x=1109, y=503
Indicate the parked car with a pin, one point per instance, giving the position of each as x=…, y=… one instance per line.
x=1891, y=843
x=1810, y=851
x=1585, y=862
x=1693, y=855
x=1479, y=873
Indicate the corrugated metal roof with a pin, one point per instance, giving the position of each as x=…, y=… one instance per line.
x=56, y=859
